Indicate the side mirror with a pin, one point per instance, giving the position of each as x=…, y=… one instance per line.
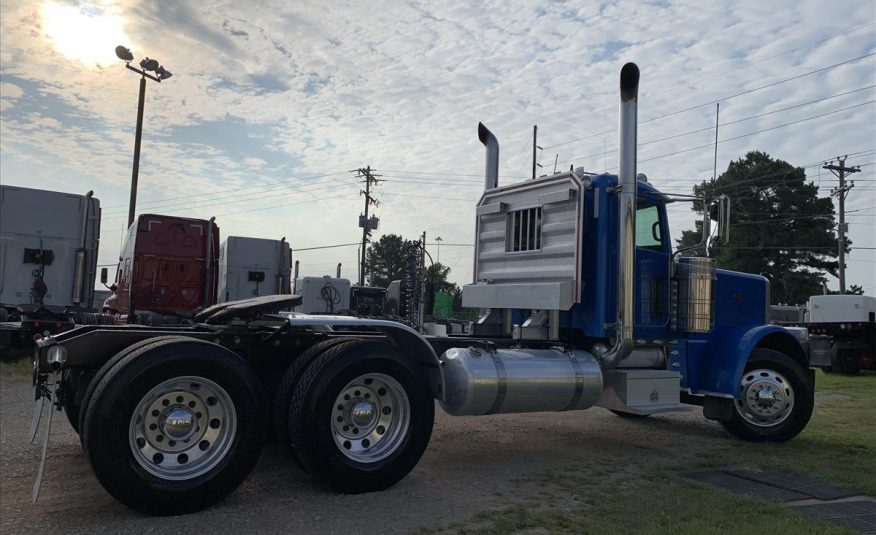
x=103, y=275
x=720, y=212
x=655, y=232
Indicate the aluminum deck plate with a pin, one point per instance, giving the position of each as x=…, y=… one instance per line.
x=809, y=495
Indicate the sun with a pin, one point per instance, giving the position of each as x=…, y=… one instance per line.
x=86, y=33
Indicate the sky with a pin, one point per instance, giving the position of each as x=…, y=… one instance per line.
x=272, y=104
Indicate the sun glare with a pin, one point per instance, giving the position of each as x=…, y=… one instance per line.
x=84, y=33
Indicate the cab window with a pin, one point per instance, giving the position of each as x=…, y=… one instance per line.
x=649, y=232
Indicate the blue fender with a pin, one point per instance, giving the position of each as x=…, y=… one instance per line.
x=729, y=351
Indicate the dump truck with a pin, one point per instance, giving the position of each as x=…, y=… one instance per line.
x=586, y=305
x=48, y=262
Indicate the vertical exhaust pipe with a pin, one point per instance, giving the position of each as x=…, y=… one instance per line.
x=280, y=263
x=491, y=175
x=209, y=283
x=80, y=256
x=626, y=257
x=295, y=279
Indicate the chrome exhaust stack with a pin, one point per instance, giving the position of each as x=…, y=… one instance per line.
x=626, y=258
x=491, y=175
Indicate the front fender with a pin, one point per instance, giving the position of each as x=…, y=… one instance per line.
x=730, y=350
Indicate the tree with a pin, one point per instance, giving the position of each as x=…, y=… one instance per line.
x=385, y=261
x=854, y=289
x=779, y=226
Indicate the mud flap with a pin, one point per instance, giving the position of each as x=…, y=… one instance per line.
x=718, y=409
x=51, y=390
x=37, y=414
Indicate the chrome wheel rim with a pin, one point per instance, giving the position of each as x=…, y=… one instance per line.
x=182, y=428
x=370, y=418
x=766, y=398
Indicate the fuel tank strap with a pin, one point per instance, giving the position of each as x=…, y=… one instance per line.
x=502, y=386
x=579, y=382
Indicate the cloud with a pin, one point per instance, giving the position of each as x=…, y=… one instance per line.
x=266, y=95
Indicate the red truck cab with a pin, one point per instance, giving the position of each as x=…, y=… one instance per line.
x=168, y=266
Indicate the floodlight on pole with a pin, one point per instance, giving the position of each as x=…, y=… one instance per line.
x=438, y=241
x=161, y=73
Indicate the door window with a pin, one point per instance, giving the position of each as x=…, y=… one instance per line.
x=649, y=233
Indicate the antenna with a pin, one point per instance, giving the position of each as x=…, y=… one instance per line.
x=717, y=115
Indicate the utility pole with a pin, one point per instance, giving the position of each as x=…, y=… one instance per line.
x=421, y=311
x=841, y=192
x=534, y=148
x=367, y=224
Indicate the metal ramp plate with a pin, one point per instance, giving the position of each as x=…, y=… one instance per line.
x=784, y=478
x=809, y=495
x=739, y=485
x=859, y=515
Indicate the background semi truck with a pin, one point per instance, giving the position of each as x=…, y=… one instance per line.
x=172, y=266
x=586, y=305
x=48, y=262
x=842, y=332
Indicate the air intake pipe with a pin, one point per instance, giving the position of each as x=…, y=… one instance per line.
x=79, y=266
x=491, y=175
x=626, y=253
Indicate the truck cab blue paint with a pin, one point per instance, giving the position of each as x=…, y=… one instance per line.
x=710, y=363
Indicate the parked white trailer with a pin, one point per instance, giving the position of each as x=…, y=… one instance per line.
x=842, y=330
x=250, y=267
x=322, y=295
x=48, y=258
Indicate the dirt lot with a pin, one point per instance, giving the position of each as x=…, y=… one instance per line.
x=475, y=472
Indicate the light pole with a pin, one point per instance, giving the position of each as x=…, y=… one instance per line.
x=161, y=73
x=438, y=240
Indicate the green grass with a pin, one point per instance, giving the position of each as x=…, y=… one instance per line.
x=839, y=444
x=18, y=367
x=658, y=506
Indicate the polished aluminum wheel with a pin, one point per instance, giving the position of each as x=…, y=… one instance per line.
x=767, y=398
x=182, y=428
x=371, y=418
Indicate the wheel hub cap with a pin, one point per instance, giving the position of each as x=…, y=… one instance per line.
x=179, y=423
x=370, y=418
x=182, y=428
x=766, y=398
x=362, y=414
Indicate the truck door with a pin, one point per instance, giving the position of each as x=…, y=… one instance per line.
x=652, y=270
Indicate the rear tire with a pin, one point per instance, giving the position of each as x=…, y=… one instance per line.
x=776, y=399
x=107, y=366
x=361, y=416
x=842, y=362
x=175, y=426
x=287, y=384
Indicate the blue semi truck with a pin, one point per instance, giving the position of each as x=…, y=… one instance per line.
x=585, y=304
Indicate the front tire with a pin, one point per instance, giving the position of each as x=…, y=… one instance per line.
x=776, y=399
x=175, y=426
x=361, y=416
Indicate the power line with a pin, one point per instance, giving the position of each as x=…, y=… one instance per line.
x=754, y=133
x=234, y=201
x=723, y=99
x=710, y=128
x=216, y=192
x=325, y=247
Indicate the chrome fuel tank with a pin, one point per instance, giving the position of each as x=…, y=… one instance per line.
x=478, y=380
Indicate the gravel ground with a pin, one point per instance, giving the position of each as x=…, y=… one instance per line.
x=472, y=464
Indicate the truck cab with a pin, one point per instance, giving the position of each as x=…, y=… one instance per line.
x=168, y=266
